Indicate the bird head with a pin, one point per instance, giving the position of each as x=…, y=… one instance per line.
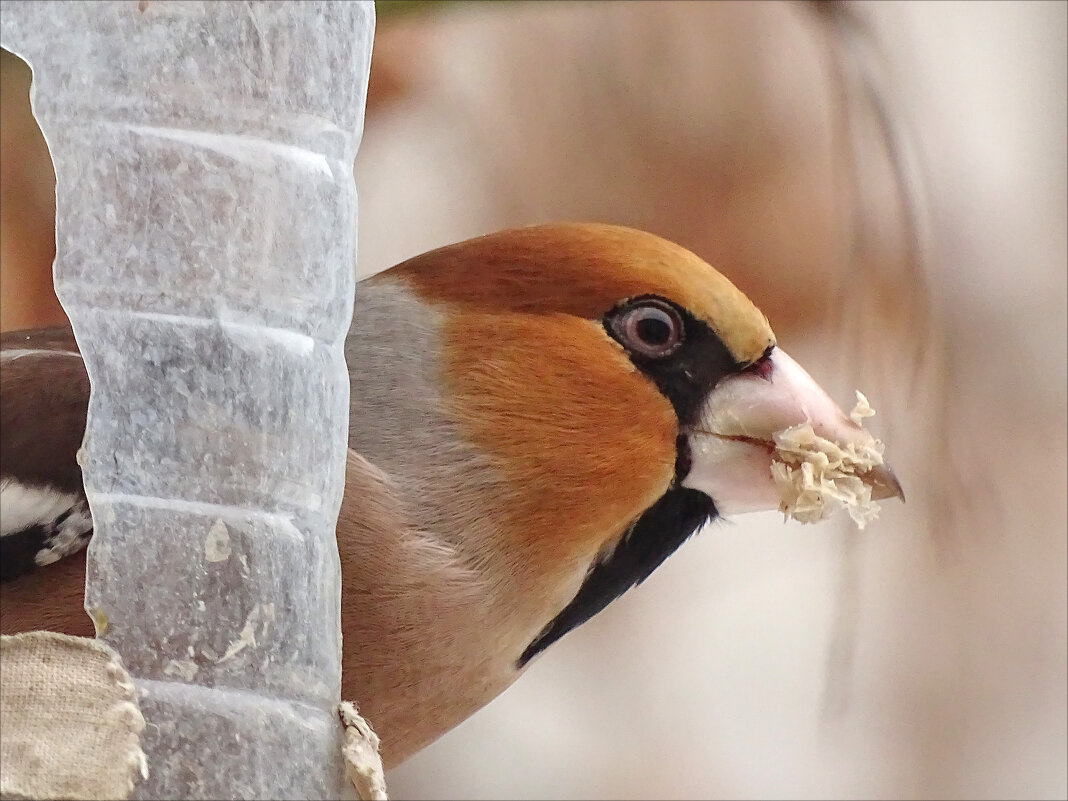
x=579, y=398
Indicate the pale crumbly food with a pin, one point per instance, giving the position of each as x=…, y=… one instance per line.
x=817, y=477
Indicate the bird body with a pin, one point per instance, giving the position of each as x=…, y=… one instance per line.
x=539, y=418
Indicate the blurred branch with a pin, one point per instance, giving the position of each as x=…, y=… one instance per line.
x=870, y=132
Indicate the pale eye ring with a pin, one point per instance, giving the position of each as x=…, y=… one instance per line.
x=650, y=328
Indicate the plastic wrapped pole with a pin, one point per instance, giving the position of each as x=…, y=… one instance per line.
x=205, y=256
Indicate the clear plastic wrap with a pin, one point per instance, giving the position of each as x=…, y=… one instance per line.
x=205, y=255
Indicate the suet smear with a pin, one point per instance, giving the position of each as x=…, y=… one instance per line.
x=883, y=297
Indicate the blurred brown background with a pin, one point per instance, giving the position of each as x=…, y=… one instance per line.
x=888, y=182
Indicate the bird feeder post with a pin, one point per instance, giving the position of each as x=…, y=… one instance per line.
x=205, y=257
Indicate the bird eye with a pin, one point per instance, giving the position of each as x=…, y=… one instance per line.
x=650, y=328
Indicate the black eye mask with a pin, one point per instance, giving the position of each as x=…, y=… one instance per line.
x=690, y=372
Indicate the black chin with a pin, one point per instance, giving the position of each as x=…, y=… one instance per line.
x=651, y=539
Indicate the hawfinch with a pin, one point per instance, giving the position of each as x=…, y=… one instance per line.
x=540, y=417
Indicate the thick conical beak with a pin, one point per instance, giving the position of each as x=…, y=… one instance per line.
x=733, y=442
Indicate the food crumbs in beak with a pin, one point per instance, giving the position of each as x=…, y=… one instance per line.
x=816, y=477
x=862, y=410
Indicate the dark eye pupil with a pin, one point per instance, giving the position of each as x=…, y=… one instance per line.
x=654, y=331
x=649, y=328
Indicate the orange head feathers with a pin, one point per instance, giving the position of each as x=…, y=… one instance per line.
x=584, y=270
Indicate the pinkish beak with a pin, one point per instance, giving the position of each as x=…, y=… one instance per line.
x=733, y=441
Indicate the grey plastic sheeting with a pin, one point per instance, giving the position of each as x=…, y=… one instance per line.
x=206, y=232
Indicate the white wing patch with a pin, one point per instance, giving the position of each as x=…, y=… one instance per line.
x=22, y=506
x=63, y=517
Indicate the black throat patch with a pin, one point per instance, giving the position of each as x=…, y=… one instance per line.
x=651, y=539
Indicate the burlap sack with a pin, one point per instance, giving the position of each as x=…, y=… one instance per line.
x=70, y=725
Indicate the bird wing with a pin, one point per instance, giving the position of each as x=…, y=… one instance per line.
x=44, y=398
